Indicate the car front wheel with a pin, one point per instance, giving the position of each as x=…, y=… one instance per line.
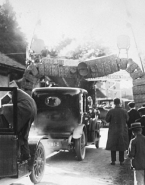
x=38, y=165
x=80, y=147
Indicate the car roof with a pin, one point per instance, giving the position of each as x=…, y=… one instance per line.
x=62, y=90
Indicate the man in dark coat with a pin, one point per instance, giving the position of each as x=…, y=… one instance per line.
x=133, y=115
x=142, y=119
x=26, y=112
x=118, y=131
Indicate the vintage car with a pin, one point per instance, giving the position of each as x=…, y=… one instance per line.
x=63, y=117
x=10, y=167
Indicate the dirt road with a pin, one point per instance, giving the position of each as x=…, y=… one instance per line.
x=63, y=169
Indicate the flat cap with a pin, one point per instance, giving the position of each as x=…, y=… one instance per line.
x=131, y=104
x=142, y=110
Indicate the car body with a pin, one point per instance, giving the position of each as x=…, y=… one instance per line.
x=62, y=117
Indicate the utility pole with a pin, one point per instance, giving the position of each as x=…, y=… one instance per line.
x=130, y=26
x=136, y=46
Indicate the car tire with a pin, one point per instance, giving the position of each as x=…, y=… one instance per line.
x=93, y=132
x=38, y=164
x=97, y=139
x=80, y=147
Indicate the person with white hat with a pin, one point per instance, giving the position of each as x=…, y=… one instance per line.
x=136, y=152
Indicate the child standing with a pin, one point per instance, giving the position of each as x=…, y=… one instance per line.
x=136, y=153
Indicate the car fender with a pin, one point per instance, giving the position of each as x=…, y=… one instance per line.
x=33, y=145
x=77, y=133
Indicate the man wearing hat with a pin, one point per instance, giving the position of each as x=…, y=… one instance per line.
x=136, y=152
x=133, y=115
x=118, y=131
x=142, y=118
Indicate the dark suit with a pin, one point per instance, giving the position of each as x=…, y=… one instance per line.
x=133, y=116
x=142, y=121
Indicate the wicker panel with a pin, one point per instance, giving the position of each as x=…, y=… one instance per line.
x=131, y=67
x=100, y=68
x=137, y=89
x=8, y=156
x=139, y=98
x=107, y=67
x=94, y=71
x=142, y=89
x=138, y=105
x=47, y=60
x=47, y=69
x=66, y=71
x=122, y=63
x=140, y=81
x=41, y=69
x=137, y=74
x=114, y=66
x=61, y=71
x=72, y=72
x=54, y=70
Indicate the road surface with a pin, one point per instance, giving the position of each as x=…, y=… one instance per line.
x=62, y=168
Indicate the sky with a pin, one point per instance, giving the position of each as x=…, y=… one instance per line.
x=102, y=20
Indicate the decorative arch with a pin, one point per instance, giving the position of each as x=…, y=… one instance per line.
x=53, y=69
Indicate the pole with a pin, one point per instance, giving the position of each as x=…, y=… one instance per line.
x=130, y=25
x=137, y=47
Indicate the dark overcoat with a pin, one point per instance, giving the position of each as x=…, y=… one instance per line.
x=118, y=129
x=26, y=109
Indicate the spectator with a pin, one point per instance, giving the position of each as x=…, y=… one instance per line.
x=142, y=118
x=118, y=131
x=136, y=152
x=133, y=115
x=90, y=102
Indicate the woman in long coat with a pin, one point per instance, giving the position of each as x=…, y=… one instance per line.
x=118, y=131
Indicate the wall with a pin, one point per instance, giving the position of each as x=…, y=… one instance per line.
x=3, y=83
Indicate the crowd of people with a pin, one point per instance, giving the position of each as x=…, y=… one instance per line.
x=126, y=133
